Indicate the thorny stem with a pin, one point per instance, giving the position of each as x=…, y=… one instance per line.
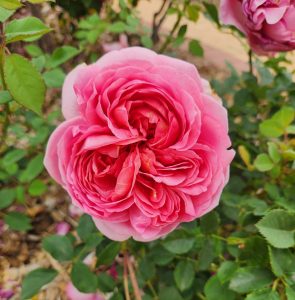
x=133, y=279
x=156, y=26
x=169, y=37
x=149, y=284
x=125, y=276
x=6, y=106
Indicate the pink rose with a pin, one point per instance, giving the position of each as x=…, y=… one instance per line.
x=268, y=24
x=73, y=294
x=144, y=146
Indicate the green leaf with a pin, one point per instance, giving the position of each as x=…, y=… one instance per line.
x=33, y=169
x=290, y=129
x=34, y=50
x=278, y=227
x=7, y=196
x=179, y=246
x=59, y=247
x=273, y=152
x=184, y=274
x=263, y=163
x=105, y=283
x=146, y=41
x=117, y=27
x=5, y=97
x=13, y=156
x=35, y=280
x=284, y=117
x=61, y=55
x=169, y=293
x=160, y=256
x=54, y=78
x=270, y=128
x=85, y=227
x=147, y=269
x=248, y=279
x=267, y=294
x=193, y=12
x=83, y=279
x=5, y=14
x=24, y=82
x=195, y=48
x=108, y=254
x=37, y=187
x=21, y=29
x=214, y=290
x=10, y=4
x=282, y=262
x=210, y=223
x=17, y=221
x=226, y=271
x=212, y=12
x=290, y=293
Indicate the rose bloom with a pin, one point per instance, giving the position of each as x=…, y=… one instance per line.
x=73, y=294
x=145, y=144
x=268, y=24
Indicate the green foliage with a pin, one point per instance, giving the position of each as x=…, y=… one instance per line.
x=244, y=249
x=35, y=280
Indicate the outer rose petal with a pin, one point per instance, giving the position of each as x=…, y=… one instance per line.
x=69, y=98
x=51, y=159
x=231, y=14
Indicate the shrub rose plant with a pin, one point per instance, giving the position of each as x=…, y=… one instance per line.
x=145, y=144
x=269, y=25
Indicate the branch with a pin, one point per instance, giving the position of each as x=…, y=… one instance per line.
x=133, y=279
x=125, y=276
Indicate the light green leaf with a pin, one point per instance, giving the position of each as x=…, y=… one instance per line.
x=17, y=221
x=273, y=152
x=13, y=156
x=285, y=116
x=10, y=4
x=37, y=187
x=169, y=293
x=290, y=293
x=117, y=27
x=263, y=163
x=24, y=82
x=278, y=227
x=5, y=97
x=5, y=14
x=270, y=128
x=54, y=78
x=61, y=55
x=34, y=50
x=184, y=274
x=179, y=246
x=21, y=29
x=248, y=279
x=35, y=280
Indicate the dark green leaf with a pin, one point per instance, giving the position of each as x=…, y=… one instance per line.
x=179, y=246
x=184, y=274
x=83, y=279
x=59, y=247
x=35, y=280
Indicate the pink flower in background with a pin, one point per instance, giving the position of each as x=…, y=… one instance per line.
x=122, y=43
x=268, y=24
x=62, y=228
x=144, y=146
x=73, y=294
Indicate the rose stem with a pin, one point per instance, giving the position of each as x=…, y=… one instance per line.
x=133, y=279
x=125, y=276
